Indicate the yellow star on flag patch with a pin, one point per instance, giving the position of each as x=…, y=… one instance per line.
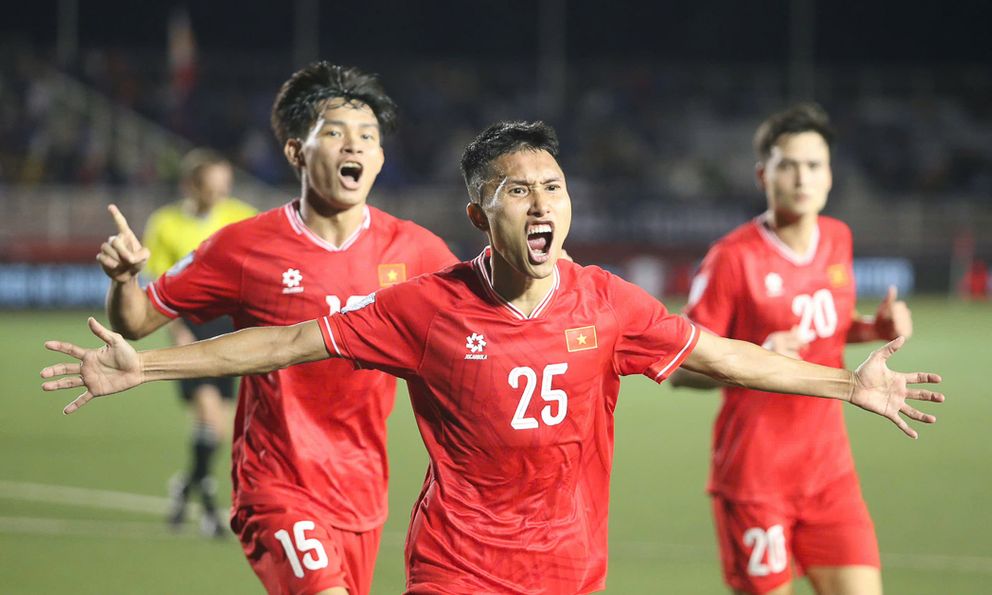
x=837, y=274
x=580, y=339
x=391, y=274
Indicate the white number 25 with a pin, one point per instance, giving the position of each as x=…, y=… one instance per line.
x=551, y=395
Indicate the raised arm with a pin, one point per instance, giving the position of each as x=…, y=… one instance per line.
x=122, y=257
x=117, y=367
x=873, y=386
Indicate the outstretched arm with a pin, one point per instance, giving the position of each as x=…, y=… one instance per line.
x=873, y=386
x=787, y=343
x=116, y=366
x=122, y=257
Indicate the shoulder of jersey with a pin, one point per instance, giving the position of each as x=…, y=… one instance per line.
x=387, y=223
x=256, y=228
x=833, y=227
x=744, y=233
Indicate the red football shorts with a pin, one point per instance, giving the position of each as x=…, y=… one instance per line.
x=760, y=541
x=294, y=554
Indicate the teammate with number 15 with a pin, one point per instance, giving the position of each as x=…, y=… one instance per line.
x=513, y=362
x=782, y=477
x=309, y=453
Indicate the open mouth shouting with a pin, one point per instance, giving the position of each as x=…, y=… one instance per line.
x=349, y=173
x=539, y=237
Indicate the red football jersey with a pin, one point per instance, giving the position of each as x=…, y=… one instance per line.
x=750, y=285
x=516, y=413
x=313, y=433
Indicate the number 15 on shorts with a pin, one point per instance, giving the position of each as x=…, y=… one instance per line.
x=300, y=548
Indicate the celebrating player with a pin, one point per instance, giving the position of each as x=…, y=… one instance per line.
x=171, y=233
x=299, y=466
x=782, y=479
x=513, y=361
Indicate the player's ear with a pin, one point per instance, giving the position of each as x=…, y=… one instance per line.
x=293, y=150
x=759, y=175
x=477, y=216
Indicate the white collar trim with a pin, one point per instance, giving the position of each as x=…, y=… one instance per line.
x=761, y=222
x=296, y=221
x=482, y=270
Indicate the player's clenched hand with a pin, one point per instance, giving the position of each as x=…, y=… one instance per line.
x=787, y=343
x=883, y=391
x=110, y=369
x=122, y=256
x=893, y=318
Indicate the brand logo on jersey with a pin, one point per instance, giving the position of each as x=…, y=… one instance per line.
x=837, y=274
x=475, y=343
x=181, y=264
x=773, y=284
x=581, y=339
x=391, y=274
x=292, y=279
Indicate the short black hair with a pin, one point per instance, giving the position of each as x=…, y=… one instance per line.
x=301, y=98
x=500, y=139
x=802, y=117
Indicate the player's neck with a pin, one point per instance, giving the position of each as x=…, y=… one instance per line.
x=796, y=233
x=332, y=225
x=524, y=292
x=196, y=208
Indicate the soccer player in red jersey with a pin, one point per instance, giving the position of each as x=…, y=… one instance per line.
x=309, y=480
x=513, y=361
x=783, y=482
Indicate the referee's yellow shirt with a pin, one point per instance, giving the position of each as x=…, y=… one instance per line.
x=171, y=233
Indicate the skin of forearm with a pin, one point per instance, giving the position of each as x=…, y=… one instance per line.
x=739, y=363
x=127, y=309
x=249, y=351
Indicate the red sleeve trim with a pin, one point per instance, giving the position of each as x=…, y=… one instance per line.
x=675, y=362
x=157, y=301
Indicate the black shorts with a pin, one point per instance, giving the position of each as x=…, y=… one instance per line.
x=207, y=330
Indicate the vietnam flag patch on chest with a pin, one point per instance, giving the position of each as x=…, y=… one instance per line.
x=580, y=339
x=837, y=274
x=391, y=274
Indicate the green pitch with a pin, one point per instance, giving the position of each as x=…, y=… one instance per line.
x=81, y=497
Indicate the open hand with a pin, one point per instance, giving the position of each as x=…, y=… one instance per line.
x=883, y=391
x=110, y=369
x=122, y=256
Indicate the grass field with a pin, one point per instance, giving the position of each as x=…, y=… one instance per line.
x=81, y=497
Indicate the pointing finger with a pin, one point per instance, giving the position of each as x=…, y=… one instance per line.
x=119, y=219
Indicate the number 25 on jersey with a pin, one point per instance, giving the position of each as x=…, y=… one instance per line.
x=557, y=400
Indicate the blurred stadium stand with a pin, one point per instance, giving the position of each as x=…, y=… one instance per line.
x=658, y=155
